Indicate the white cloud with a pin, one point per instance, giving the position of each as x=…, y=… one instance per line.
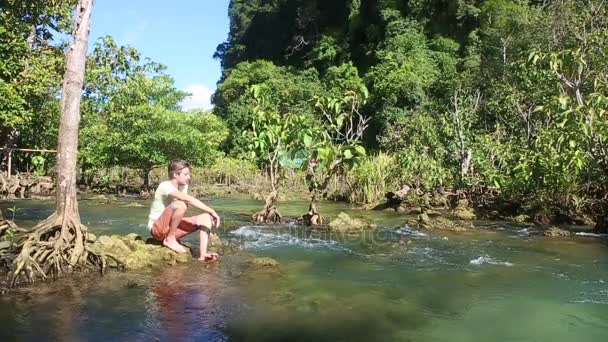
x=200, y=98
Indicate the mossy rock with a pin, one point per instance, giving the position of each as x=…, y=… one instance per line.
x=135, y=254
x=215, y=241
x=344, y=223
x=556, y=232
x=438, y=223
x=463, y=211
x=521, y=218
x=264, y=262
x=90, y=237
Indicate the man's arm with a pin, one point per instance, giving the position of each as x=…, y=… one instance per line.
x=192, y=201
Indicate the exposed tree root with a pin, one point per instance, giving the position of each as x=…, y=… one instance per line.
x=269, y=214
x=54, y=247
x=312, y=217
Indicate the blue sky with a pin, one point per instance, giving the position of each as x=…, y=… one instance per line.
x=181, y=34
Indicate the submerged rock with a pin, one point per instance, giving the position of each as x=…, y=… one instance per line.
x=556, y=232
x=263, y=262
x=344, y=223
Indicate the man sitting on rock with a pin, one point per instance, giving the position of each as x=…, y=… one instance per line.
x=167, y=222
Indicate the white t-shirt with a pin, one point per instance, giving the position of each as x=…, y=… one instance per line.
x=162, y=200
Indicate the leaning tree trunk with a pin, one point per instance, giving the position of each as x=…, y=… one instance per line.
x=58, y=244
x=269, y=214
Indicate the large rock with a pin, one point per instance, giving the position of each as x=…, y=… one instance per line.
x=344, y=223
x=135, y=254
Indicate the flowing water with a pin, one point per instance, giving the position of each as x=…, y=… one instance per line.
x=497, y=283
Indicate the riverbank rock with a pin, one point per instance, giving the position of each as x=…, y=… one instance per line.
x=136, y=254
x=521, y=218
x=344, y=223
x=438, y=223
x=556, y=232
x=463, y=211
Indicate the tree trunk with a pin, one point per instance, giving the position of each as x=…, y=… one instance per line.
x=269, y=214
x=312, y=217
x=67, y=145
x=57, y=244
x=145, y=173
x=9, y=144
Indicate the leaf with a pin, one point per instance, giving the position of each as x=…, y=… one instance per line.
x=348, y=154
x=307, y=140
x=360, y=150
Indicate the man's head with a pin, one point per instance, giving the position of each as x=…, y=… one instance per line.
x=180, y=171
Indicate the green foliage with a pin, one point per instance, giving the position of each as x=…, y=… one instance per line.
x=274, y=134
x=225, y=170
x=287, y=91
x=31, y=69
x=373, y=177
x=335, y=143
x=406, y=69
x=38, y=164
x=131, y=115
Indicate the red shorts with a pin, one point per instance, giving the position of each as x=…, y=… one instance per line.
x=160, y=228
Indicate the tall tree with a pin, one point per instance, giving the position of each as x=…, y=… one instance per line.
x=57, y=244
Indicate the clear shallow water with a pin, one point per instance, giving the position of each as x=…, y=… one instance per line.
x=396, y=284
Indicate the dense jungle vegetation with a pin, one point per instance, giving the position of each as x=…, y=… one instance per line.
x=503, y=102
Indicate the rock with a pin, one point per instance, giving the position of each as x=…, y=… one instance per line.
x=463, y=211
x=556, y=232
x=133, y=205
x=132, y=237
x=139, y=259
x=440, y=200
x=263, y=262
x=415, y=211
x=424, y=218
x=105, y=241
x=90, y=237
x=343, y=223
x=145, y=195
x=521, y=218
x=439, y=223
x=214, y=240
x=135, y=254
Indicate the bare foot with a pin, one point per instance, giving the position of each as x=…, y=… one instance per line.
x=209, y=257
x=174, y=245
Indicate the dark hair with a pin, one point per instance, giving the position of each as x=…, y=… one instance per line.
x=176, y=166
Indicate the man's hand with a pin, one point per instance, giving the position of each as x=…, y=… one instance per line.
x=215, y=219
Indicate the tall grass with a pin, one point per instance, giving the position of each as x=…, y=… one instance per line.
x=372, y=178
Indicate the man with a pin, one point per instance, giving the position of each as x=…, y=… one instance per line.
x=167, y=222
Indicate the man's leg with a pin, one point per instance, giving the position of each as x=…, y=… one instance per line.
x=202, y=223
x=205, y=223
x=179, y=209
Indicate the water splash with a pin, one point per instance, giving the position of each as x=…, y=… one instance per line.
x=485, y=259
x=256, y=237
